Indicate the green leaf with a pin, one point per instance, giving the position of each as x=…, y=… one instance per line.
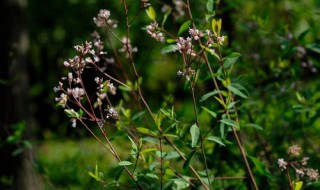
x=134, y=148
x=170, y=41
x=152, y=176
x=260, y=167
x=231, y=59
x=138, y=115
x=169, y=49
x=210, y=5
x=171, y=155
x=151, y=13
x=71, y=113
x=216, y=26
x=166, y=16
x=180, y=183
x=297, y=185
x=118, y=173
x=303, y=34
x=125, y=88
x=230, y=123
x=211, y=51
x=208, y=95
x=216, y=139
x=236, y=91
x=252, y=125
x=146, y=131
x=221, y=102
x=96, y=174
x=187, y=162
x=195, y=134
x=209, y=111
x=315, y=47
x=148, y=150
x=170, y=135
x=125, y=163
x=161, y=154
x=184, y=27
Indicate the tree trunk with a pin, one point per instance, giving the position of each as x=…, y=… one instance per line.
x=16, y=172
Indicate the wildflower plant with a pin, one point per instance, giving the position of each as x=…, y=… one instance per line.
x=167, y=151
x=299, y=167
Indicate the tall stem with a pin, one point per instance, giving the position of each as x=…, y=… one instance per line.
x=239, y=144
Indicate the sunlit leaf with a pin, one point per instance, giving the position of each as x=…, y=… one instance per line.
x=146, y=131
x=71, y=113
x=148, y=150
x=151, y=13
x=125, y=163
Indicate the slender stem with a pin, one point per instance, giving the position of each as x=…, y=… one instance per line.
x=161, y=163
x=201, y=139
x=141, y=95
x=242, y=151
x=131, y=60
x=289, y=179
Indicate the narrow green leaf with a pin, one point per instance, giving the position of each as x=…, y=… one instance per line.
x=71, y=113
x=148, y=150
x=125, y=88
x=195, y=134
x=138, y=115
x=252, y=125
x=233, y=89
x=151, y=13
x=146, y=131
x=118, y=173
x=231, y=59
x=125, y=163
x=170, y=135
x=187, y=162
x=184, y=27
x=209, y=111
x=133, y=144
x=230, y=123
x=211, y=51
x=260, y=167
x=208, y=95
x=169, y=49
x=221, y=102
x=154, y=176
x=216, y=139
x=231, y=105
x=166, y=16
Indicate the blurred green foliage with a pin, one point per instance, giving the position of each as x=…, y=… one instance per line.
x=280, y=46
